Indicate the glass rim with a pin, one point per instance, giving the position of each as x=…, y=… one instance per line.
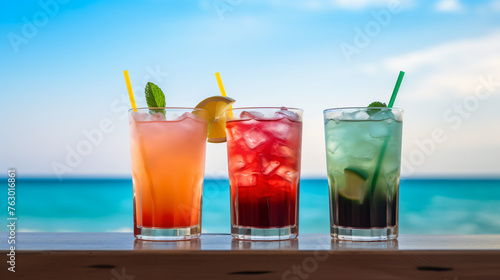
x=266, y=108
x=166, y=108
x=361, y=108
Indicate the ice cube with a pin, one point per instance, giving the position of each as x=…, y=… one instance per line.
x=251, y=159
x=361, y=115
x=390, y=162
x=382, y=115
x=379, y=130
x=186, y=115
x=284, y=112
x=334, y=133
x=140, y=117
x=235, y=133
x=398, y=116
x=282, y=151
x=330, y=125
x=277, y=183
x=268, y=165
x=332, y=146
x=287, y=174
x=157, y=117
x=335, y=116
x=279, y=129
x=356, y=115
x=251, y=115
x=363, y=150
x=244, y=179
x=348, y=115
x=254, y=137
x=236, y=162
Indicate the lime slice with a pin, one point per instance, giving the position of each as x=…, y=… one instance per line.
x=355, y=185
x=215, y=107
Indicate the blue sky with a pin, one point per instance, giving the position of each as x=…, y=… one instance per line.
x=62, y=62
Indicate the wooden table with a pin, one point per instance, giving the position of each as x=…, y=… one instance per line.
x=217, y=256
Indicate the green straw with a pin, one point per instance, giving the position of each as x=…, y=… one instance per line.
x=396, y=88
x=384, y=147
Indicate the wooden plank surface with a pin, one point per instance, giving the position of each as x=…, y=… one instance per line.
x=126, y=241
x=312, y=256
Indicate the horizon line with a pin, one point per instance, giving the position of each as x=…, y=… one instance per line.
x=111, y=177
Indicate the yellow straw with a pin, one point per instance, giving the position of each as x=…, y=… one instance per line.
x=130, y=91
x=223, y=92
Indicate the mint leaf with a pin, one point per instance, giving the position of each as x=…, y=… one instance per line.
x=375, y=104
x=155, y=98
x=154, y=95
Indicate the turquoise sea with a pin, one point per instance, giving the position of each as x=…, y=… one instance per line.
x=458, y=206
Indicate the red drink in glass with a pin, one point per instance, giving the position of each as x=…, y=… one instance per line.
x=264, y=148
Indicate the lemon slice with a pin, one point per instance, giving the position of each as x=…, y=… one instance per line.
x=355, y=185
x=215, y=107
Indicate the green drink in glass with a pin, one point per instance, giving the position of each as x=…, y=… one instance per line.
x=363, y=152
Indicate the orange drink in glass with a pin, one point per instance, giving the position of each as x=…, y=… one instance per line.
x=168, y=164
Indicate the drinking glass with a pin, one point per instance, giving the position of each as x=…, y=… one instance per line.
x=168, y=163
x=363, y=153
x=264, y=149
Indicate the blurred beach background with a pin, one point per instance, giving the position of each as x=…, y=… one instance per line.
x=64, y=116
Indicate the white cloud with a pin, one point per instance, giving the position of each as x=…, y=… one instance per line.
x=440, y=78
x=450, y=69
x=453, y=6
x=364, y=4
x=357, y=4
x=335, y=4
